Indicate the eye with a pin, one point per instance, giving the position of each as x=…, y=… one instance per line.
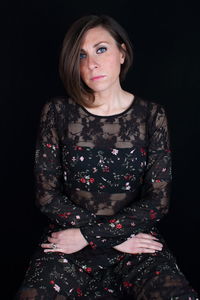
x=101, y=50
x=82, y=55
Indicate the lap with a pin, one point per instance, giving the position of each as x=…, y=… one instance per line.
x=143, y=276
x=155, y=276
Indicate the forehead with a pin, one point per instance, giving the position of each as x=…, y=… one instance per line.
x=95, y=35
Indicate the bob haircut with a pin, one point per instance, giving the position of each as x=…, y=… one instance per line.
x=69, y=60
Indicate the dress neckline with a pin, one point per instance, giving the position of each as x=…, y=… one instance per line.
x=114, y=115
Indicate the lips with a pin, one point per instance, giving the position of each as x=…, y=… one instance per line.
x=97, y=77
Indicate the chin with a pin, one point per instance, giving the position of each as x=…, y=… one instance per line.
x=101, y=87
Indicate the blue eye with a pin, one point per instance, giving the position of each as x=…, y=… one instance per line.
x=82, y=55
x=101, y=50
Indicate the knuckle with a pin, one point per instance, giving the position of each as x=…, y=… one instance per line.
x=59, y=235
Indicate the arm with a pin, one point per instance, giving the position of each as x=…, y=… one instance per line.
x=153, y=203
x=49, y=175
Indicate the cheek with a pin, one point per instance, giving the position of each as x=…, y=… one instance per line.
x=114, y=62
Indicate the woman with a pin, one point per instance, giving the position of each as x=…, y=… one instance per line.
x=103, y=176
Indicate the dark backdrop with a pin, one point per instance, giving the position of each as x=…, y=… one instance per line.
x=165, y=37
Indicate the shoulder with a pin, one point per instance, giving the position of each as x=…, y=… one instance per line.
x=54, y=109
x=58, y=102
x=57, y=105
x=151, y=108
x=149, y=104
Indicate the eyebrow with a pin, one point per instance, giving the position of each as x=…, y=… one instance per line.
x=102, y=42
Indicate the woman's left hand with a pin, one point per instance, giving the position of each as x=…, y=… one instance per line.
x=66, y=241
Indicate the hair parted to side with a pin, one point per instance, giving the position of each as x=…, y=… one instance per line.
x=69, y=60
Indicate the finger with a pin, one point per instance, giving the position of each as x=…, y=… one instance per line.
x=147, y=243
x=51, y=246
x=46, y=245
x=55, y=234
x=145, y=250
x=52, y=240
x=54, y=250
x=152, y=245
x=147, y=240
x=147, y=236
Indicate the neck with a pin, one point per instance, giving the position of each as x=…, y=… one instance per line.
x=110, y=99
x=110, y=103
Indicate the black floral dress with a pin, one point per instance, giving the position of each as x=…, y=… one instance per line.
x=110, y=176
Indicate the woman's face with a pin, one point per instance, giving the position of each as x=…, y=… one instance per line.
x=100, y=60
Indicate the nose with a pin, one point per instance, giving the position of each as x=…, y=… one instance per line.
x=92, y=62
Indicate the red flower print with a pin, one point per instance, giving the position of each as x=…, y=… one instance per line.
x=158, y=180
x=79, y=292
x=92, y=244
x=143, y=151
x=119, y=226
x=127, y=177
x=154, y=233
x=49, y=145
x=91, y=180
x=106, y=169
x=78, y=148
x=65, y=214
x=82, y=180
x=127, y=284
x=152, y=214
x=157, y=273
x=112, y=221
x=52, y=282
x=88, y=270
x=102, y=186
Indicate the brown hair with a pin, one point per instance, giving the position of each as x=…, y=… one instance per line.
x=69, y=61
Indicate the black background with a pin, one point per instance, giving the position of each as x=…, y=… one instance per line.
x=166, y=42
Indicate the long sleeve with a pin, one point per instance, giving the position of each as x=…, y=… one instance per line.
x=49, y=175
x=155, y=192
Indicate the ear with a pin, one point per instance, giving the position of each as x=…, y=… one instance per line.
x=123, y=55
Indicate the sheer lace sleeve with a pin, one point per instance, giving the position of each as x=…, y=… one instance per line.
x=154, y=199
x=49, y=175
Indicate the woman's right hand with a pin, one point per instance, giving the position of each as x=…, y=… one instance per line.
x=140, y=243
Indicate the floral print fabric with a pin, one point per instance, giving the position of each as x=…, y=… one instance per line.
x=105, y=168
x=110, y=176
